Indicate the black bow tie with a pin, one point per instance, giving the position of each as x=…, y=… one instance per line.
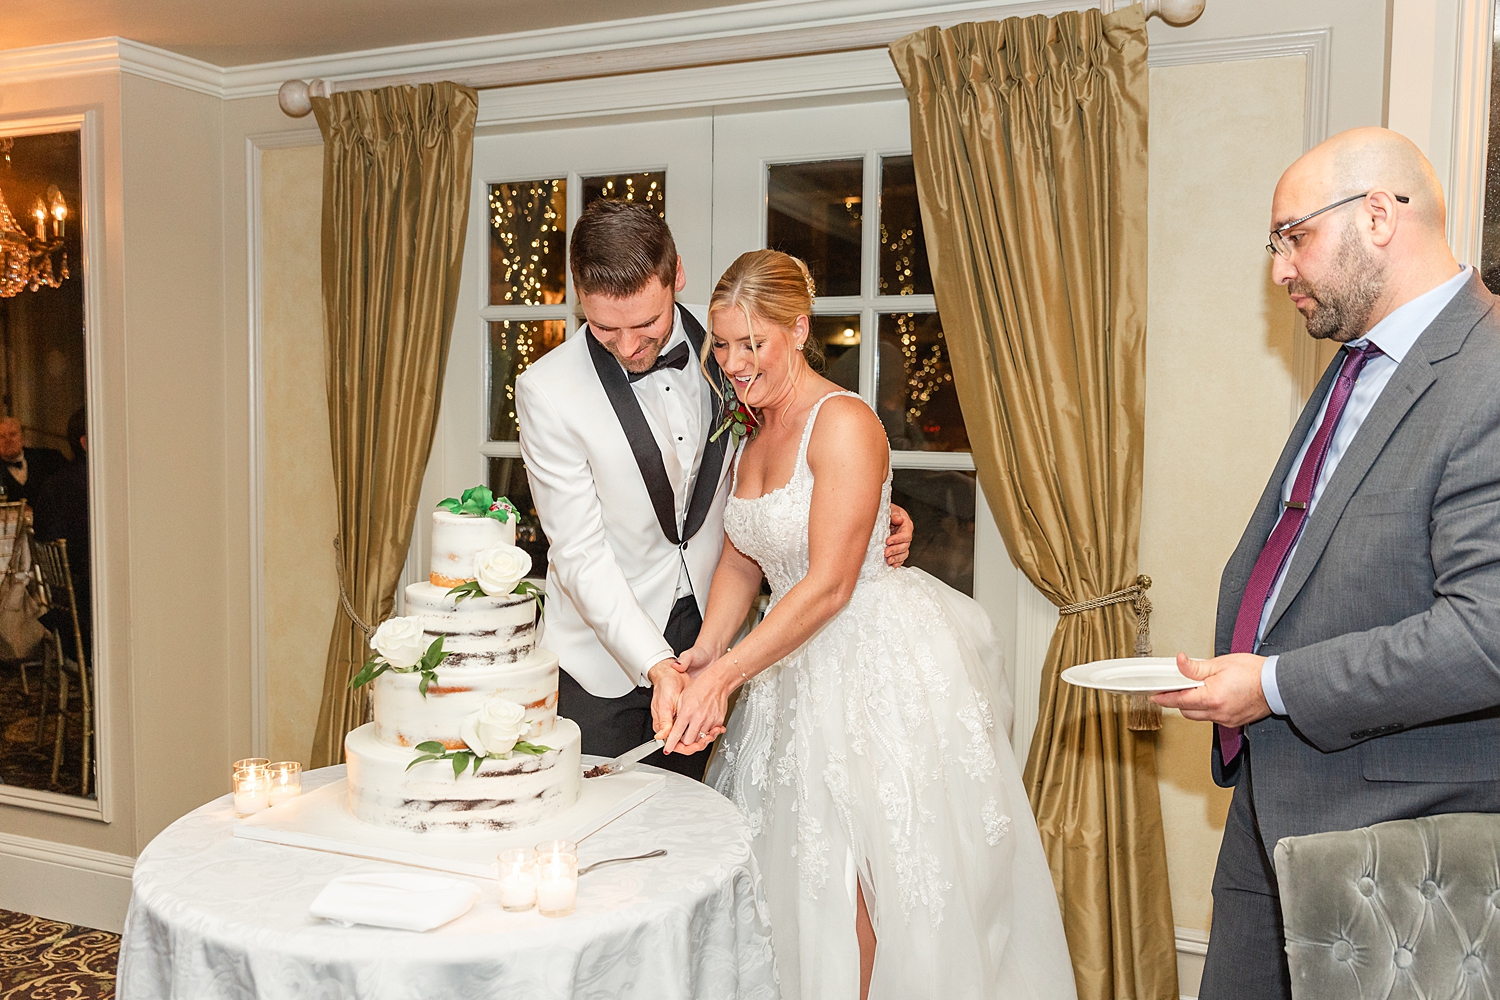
x=677, y=358
x=16, y=463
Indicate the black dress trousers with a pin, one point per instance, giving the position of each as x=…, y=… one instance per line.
x=612, y=726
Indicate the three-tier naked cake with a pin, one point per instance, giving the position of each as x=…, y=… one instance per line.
x=492, y=659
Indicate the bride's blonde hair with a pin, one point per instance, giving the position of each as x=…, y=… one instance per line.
x=772, y=285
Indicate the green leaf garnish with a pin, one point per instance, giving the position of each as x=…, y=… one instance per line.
x=463, y=590
x=427, y=666
x=532, y=590
x=371, y=670
x=480, y=502
x=469, y=759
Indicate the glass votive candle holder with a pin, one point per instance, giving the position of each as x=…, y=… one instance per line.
x=252, y=790
x=557, y=877
x=518, y=879
x=240, y=765
x=286, y=781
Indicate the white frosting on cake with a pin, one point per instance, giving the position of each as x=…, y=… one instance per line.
x=477, y=631
x=404, y=718
x=490, y=647
x=505, y=795
x=457, y=539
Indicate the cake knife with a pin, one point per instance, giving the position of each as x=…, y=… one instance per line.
x=625, y=760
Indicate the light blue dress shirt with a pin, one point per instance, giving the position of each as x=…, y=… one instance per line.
x=1394, y=335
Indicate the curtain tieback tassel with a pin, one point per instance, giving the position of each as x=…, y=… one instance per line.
x=338, y=552
x=1144, y=715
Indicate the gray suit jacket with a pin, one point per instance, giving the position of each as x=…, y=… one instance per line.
x=1388, y=622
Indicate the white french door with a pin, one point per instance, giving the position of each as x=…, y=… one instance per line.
x=832, y=185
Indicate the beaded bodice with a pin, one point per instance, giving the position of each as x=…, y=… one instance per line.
x=772, y=528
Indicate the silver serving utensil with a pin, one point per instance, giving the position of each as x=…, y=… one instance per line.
x=625, y=760
x=614, y=861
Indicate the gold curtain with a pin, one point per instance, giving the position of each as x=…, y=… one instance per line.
x=1029, y=142
x=396, y=169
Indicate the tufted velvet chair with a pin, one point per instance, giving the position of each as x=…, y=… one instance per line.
x=1407, y=909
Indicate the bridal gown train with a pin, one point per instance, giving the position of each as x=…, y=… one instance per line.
x=878, y=755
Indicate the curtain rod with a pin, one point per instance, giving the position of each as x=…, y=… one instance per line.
x=295, y=95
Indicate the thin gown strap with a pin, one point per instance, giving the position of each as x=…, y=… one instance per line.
x=807, y=428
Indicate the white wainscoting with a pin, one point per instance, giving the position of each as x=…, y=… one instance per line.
x=62, y=882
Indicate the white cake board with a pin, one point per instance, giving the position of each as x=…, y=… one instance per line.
x=321, y=821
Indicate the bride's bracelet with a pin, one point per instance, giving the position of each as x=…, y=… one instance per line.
x=743, y=676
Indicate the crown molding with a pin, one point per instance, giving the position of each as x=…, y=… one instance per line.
x=142, y=60
x=768, y=29
x=109, y=55
x=49, y=62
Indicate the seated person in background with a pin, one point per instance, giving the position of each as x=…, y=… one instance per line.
x=62, y=511
x=26, y=469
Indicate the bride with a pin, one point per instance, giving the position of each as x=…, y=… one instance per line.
x=870, y=748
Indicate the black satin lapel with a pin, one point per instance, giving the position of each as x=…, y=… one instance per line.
x=642, y=442
x=1410, y=380
x=711, y=467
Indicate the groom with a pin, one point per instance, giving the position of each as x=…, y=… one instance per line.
x=615, y=426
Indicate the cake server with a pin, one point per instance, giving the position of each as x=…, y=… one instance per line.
x=625, y=760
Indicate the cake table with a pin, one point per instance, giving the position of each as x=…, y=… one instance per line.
x=212, y=915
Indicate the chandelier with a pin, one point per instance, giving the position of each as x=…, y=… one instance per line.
x=29, y=262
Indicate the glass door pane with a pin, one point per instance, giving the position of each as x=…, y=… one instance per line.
x=815, y=211
x=528, y=242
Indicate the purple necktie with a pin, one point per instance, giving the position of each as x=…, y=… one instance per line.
x=1293, y=516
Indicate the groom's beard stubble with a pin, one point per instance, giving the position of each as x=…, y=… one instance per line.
x=1346, y=300
x=644, y=360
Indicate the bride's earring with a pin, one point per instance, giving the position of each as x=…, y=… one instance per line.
x=799, y=347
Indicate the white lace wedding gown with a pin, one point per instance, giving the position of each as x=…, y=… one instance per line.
x=879, y=752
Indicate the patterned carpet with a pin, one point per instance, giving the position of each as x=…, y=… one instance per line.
x=47, y=960
x=25, y=760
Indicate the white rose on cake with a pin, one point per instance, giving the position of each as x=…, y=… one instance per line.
x=399, y=641
x=499, y=569
x=495, y=728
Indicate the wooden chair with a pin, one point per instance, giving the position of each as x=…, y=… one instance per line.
x=51, y=559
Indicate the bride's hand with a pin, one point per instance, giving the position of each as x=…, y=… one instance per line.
x=693, y=661
x=700, y=716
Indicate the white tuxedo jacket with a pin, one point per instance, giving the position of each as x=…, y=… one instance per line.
x=612, y=568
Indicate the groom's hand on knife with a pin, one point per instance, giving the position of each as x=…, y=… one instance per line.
x=668, y=680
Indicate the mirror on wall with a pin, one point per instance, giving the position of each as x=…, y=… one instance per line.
x=47, y=689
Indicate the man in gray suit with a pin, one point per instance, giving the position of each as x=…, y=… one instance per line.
x=1357, y=669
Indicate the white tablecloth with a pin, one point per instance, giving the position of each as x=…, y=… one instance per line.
x=213, y=916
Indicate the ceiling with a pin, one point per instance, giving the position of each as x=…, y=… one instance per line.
x=235, y=34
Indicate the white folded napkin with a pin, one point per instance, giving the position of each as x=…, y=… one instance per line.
x=405, y=901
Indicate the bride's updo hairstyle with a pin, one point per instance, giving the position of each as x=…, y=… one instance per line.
x=772, y=287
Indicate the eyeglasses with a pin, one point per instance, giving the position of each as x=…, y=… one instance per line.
x=1279, y=245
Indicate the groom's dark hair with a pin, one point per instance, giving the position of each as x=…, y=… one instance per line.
x=618, y=246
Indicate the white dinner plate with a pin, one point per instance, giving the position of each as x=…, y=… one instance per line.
x=1131, y=675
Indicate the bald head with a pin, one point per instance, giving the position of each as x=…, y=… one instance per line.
x=1365, y=159
x=1369, y=234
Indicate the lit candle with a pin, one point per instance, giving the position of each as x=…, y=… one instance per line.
x=286, y=781
x=557, y=891
x=252, y=790
x=517, y=879
x=557, y=884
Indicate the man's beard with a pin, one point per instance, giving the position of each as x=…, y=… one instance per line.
x=1342, y=307
x=646, y=360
